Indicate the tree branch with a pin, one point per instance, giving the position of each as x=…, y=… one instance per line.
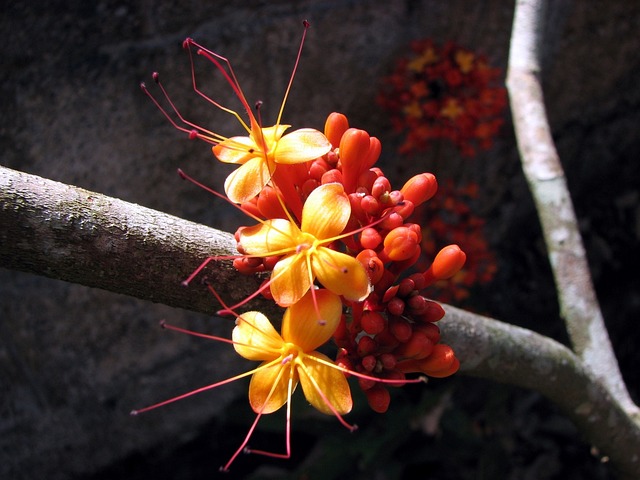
x=71, y=234
x=68, y=233
x=579, y=306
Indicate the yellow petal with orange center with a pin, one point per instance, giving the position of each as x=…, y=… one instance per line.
x=301, y=324
x=290, y=279
x=273, y=237
x=326, y=211
x=248, y=180
x=330, y=381
x=268, y=390
x=236, y=150
x=341, y=273
x=301, y=146
x=255, y=338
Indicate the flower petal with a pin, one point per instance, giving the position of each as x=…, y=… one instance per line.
x=245, y=182
x=301, y=325
x=326, y=211
x=273, y=237
x=301, y=146
x=331, y=382
x=269, y=135
x=268, y=390
x=236, y=150
x=341, y=273
x=290, y=279
x=255, y=338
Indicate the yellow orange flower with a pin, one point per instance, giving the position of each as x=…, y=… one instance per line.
x=291, y=358
x=305, y=252
x=260, y=152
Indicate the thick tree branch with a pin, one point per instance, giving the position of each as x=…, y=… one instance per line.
x=68, y=233
x=578, y=303
x=75, y=235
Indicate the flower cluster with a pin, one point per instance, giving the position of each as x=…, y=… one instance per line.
x=450, y=218
x=334, y=236
x=444, y=92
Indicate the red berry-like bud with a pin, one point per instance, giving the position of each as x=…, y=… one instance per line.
x=447, y=263
x=405, y=208
x=432, y=312
x=400, y=328
x=418, y=280
x=370, y=238
x=417, y=304
x=391, y=221
x=405, y=287
x=420, y=188
x=334, y=128
x=366, y=346
x=370, y=205
x=401, y=244
x=372, y=322
x=388, y=361
x=380, y=186
x=395, y=306
x=368, y=363
x=386, y=339
x=332, y=176
x=318, y=168
x=378, y=398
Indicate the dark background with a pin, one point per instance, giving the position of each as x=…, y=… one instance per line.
x=74, y=361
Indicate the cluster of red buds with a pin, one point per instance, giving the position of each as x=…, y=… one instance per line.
x=392, y=332
x=450, y=218
x=444, y=92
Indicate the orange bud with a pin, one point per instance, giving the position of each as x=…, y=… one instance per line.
x=354, y=149
x=453, y=368
x=401, y=243
x=334, y=127
x=370, y=238
x=372, y=265
x=375, y=147
x=420, y=188
x=447, y=263
x=442, y=358
x=418, y=346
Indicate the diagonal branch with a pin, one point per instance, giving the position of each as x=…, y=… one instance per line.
x=68, y=233
x=578, y=303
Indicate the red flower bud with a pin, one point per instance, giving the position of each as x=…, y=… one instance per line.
x=378, y=398
x=372, y=265
x=441, y=361
x=420, y=188
x=395, y=306
x=269, y=205
x=400, y=328
x=354, y=148
x=372, y=322
x=447, y=263
x=334, y=127
x=418, y=346
x=366, y=346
